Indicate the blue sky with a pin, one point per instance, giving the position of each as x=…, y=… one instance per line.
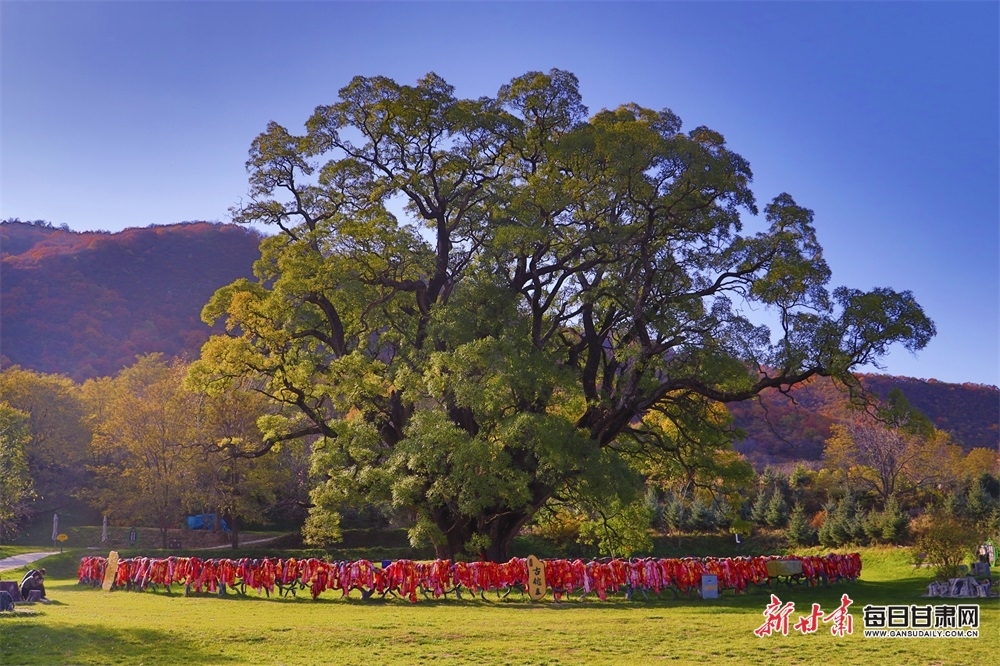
x=881, y=117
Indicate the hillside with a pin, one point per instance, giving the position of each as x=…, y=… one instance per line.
x=782, y=428
x=85, y=304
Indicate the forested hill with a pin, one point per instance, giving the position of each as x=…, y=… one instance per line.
x=784, y=428
x=85, y=304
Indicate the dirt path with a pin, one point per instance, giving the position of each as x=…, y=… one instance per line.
x=23, y=559
x=18, y=561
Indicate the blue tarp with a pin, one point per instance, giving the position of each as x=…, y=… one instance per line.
x=205, y=521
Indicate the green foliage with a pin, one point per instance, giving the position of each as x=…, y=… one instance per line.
x=946, y=542
x=953, y=503
x=57, y=450
x=776, y=514
x=889, y=526
x=16, y=490
x=697, y=514
x=704, y=517
x=800, y=532
x=144, y=445
x=844, y=523
x=774, y=479
x=799, y=478
x=897, y=412
x=619, y=531
x=979, y=506
x=561, y=527
x=676, y=514
x=162, y=450
x=551, y=319
x=322, y=526
x=655, y=500
x=741, y=527
x=758, y=511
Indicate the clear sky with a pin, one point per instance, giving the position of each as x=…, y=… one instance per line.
x=881, y=117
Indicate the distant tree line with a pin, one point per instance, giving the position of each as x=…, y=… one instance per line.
x=144, y=448
x=140, y=448
x=35, y=223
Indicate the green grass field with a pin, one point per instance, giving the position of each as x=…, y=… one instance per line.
x=88, y=626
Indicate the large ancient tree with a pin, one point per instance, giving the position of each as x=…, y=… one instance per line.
x=479, y=306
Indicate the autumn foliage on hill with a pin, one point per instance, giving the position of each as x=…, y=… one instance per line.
x=781, y=428
x=86, y=304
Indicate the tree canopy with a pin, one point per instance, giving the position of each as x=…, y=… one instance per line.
x=161, y=451
x=16, y=490
x=57, y=447
x=480, y=306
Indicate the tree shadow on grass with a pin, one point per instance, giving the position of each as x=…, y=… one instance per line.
x=900, y=590
x=30, y=643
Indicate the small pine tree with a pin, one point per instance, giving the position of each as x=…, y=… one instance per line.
x=723, y=513
x=844, y=523
x=871, y=525
x=954, y=504
x=978, y=503
x=829, y=531
x=895, y=523
x=853, y=520
x=703, y=516
x=799, y=531
x=772, y=478
x=799, y=477
x=675, y=514
x=654, y=500
x=798, y=482
x=758, y=513
x=777, y=510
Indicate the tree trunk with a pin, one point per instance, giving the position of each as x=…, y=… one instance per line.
x=501, y=530
x=234, y=532
x=457, y=532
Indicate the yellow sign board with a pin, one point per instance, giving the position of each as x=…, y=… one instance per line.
x=61, y=537
x=111, y=571
x=783, y=568
x=536, y=578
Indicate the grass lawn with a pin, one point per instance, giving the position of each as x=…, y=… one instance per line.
x=88, y=626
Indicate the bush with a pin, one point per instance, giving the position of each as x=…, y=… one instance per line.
x=621, y=531
x=561, y=529
x=946, y=541
x=740, y=527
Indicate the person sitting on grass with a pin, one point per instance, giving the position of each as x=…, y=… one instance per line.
x=33, y=580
